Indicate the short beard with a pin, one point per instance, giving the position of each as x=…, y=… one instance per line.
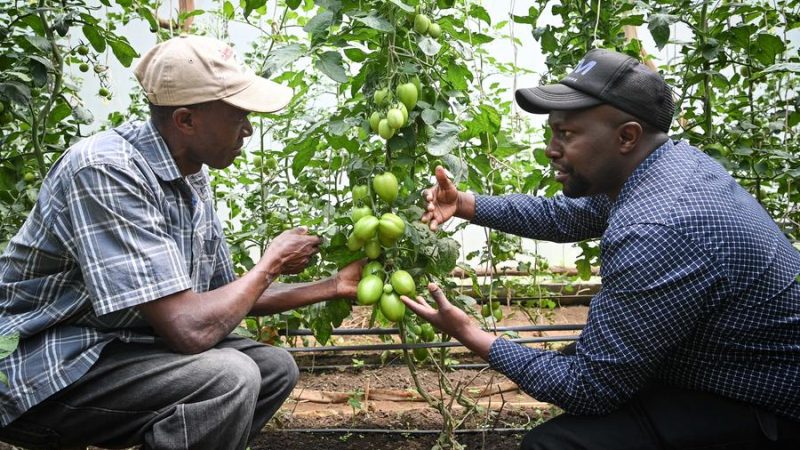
x=576, y=187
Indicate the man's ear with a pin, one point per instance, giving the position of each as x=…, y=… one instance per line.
x=183, y=119
x=629, y=135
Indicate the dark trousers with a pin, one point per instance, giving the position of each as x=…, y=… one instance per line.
x=147, y=394
x=670, y=418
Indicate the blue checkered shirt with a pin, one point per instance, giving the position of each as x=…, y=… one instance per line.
x=699, y=290
x=115, y=225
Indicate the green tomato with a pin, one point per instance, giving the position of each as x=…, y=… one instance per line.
x=486, y=310
x=386, y=186
x=103, y=92
x=83, y=67
x=392, y=307
x=387, y=288
x=420, y=354
x=29, y=177
x=403, y=110
x=386, y=241
x=381, y=97
x=271, y=163
x=434, y=30
x=427, y=333
x=498, y=314
x=369, y=290
x=372, y=268
x=395, y=118
x=372, y=248
x=403, y=283
x=83, y=50
x=391, y=226
x=408, y=94
x=360, y=192
x=417, y=83
x=366, y=228
x=385, y=130
x=354, y=244
x=421, y=23
x=360, y=212
x=374, y=121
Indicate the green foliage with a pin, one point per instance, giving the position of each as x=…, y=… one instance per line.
x=42, y=46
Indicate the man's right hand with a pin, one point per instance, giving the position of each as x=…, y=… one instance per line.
x=442, y=200
x=291, y=251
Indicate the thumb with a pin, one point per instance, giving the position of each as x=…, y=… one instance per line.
x=442, y=178
x=300, y=230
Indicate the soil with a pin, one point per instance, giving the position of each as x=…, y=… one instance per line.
x=375, y=405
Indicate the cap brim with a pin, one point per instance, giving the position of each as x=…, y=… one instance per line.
x=543, y=99
x=263, y=96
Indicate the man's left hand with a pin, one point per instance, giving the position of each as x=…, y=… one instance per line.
x=347, y=279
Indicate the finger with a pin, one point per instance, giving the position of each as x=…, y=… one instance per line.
x=296, y=230
x=418, y=307
x=438, y=295
x=434, y=225
x=425, y=217
x=442, y=178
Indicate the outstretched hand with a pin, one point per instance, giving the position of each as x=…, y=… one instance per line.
x=442, y=200
x=452, y=320
x=447, y=318
x=348, y=277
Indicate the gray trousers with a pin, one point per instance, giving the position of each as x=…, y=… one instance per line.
x=148, y=395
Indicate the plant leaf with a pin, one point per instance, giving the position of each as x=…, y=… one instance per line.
x=444, y=139
x=330, y=63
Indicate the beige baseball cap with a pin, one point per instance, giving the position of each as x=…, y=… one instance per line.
x=187, y=70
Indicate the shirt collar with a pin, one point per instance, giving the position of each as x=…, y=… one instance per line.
x=146, y=138
x=638, y=174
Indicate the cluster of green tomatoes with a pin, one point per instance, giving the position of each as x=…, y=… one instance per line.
x=396, y=115
x=373, y=234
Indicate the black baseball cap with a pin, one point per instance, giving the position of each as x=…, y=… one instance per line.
x=606, y=77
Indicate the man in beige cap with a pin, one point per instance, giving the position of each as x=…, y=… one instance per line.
x=121, y=286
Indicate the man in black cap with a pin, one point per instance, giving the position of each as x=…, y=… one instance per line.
x=694, y=339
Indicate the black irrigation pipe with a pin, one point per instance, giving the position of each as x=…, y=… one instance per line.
x=388, y=331
x=389, y=431
x=343, y=348
x=338, y=367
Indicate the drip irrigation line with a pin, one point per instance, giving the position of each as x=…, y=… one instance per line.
x=348, y=348
x=385, y=431
x=340, y=367
x=391, y=331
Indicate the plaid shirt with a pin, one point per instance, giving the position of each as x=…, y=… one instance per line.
x=699, y=290
x=115, y=226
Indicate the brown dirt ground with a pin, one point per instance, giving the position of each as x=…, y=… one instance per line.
x=508, y=410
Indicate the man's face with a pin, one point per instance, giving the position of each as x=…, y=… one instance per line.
x=584, y=151
x=221, y=130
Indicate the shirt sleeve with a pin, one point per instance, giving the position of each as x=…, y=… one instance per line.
x=223, y=270
x=122, y=247
x=556, y=219
x=657, y=286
